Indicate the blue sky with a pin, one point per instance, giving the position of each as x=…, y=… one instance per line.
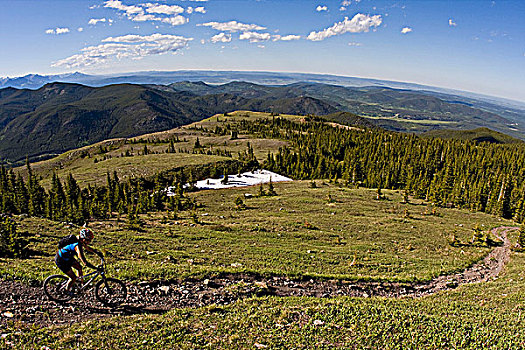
x=476, y=46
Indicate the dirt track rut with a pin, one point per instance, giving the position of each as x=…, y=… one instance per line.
x=28, y=304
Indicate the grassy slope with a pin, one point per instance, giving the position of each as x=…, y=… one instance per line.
x=81, y=162
x=297, y=233
x=277, y=241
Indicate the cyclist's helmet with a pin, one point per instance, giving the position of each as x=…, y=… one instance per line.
x=86, y=234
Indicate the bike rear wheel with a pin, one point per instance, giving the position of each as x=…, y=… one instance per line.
x=111, y=292
x=55, y=288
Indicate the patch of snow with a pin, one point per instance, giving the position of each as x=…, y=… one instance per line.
x=250, y=178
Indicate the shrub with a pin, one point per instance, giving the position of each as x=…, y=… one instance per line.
x=239, y=203
x=11, y=244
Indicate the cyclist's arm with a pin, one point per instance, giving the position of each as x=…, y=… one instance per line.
x=80, y=253
x=92, y=250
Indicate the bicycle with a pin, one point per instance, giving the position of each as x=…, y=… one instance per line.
x=109, y=291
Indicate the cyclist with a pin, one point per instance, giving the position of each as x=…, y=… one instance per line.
x=65, y=257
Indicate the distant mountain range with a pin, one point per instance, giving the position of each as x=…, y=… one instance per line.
x=60, y=116
x=394, y=109
x=35, y=81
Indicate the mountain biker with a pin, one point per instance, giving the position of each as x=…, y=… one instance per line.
x=65, y=257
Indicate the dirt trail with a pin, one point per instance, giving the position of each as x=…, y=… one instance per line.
x=28, y=304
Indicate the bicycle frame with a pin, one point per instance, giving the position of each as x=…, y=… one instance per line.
x=85, y=285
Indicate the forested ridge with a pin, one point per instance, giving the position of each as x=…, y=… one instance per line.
x=479, y=176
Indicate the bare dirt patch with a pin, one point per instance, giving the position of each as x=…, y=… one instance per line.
x=28, y=304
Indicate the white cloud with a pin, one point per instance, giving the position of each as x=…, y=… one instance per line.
x=347, y=2
x=342, y=8
x=221, y=37
x=175, y=21
x=153, y=12
x=62, y=30
x=94, y=21
x=290, y=37
x=406, y=30
x=57, y=31
x=117, y=4
x=358, y=24
x=354, y=44
x=80, y=29
x=451, y=22
x=127, y=46
x=255, y=37
x=142, y=17
x=163, y=9
x=200, y=9
x=232, y=26
x=320, y=8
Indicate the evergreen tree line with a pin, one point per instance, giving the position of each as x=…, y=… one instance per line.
x=478, y=176
x=65, y=200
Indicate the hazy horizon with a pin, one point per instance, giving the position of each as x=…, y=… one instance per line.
x=471, y=46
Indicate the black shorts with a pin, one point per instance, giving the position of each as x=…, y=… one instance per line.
x=64, y=265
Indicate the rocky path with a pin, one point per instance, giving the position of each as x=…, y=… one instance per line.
x=28, y=304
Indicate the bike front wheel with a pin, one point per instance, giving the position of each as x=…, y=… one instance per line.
x=111, y=292
x=55, y=288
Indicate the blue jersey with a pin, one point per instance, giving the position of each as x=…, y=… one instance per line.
x=68, y=252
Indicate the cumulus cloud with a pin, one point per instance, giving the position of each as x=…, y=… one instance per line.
x=200, y=9
x=163, y=9
x=255, y=37
x=221, y=37
x=94, y=21
x=406, y=30
x=232, y=26
x=290, y=37
x=320, y=8
x=80, y=29
x=142, y=17
x=57, y=31
x=175, y=21
x=127, y=46
x=354, y=44
x=150, y=12
x=360, y=23
x=451, y=22
x=117, y=4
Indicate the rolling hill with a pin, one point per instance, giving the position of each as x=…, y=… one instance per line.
x=62, y=116
x=392, y=109
x=476, y=135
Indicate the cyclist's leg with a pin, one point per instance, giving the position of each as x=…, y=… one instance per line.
x=72, y=278
x=65, y=267
x=76, y=265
